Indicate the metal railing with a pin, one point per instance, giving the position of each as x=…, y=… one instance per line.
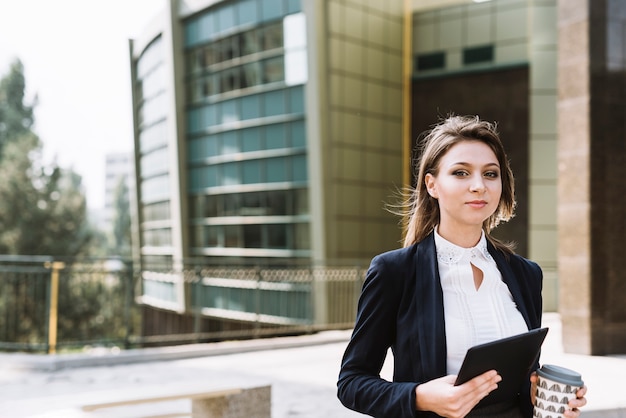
x=49, y=305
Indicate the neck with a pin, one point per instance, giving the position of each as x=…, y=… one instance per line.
x=463, y=237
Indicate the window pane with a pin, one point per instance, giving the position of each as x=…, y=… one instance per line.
x=251, y=171
x=301, y=201
x=231, y=205
x=250, y=75
x=276, y=171
x=247, y=12
x=230, y=143
x=274, y=103
x=211, y=175
x=298, y=134
x=299, y=168
x=210, y=55
x=275, y=136
x=250, y=107
x=229, y=111
x=273, y=70
x=212, y=145
x=212, y=234
x=271, y=9
x=293, y=6
x=229, y=80
x=230, y=174
x=252, y=236
x=277, y=203
x=251, y=205
x=296, y=100
x=277, y=236
x=231, y=236
x=226, y=17
x=208, y=116
x=250, y=139
x=210, y=206
x=249, y=42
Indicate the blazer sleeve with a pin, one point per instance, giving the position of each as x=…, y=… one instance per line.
x=360, y=386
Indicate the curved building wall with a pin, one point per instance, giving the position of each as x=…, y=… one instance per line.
x=150, y=90
x=235, y=72
x=246, y=141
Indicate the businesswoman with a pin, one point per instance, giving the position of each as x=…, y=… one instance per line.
x=453, y=285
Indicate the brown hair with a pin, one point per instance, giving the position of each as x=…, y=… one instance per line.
x=421, y=213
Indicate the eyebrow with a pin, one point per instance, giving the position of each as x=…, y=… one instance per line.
x=468, y=164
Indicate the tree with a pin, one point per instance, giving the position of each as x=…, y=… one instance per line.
x=121, y=231
x=16, y=117
x=42, y=208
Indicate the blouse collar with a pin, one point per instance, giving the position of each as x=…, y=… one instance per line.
x=449, y=253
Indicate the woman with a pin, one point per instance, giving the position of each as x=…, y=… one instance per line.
x=452, y=286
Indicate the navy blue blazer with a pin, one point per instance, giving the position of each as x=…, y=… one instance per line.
x=401, y=306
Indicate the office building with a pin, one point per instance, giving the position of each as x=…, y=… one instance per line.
x=269, y=131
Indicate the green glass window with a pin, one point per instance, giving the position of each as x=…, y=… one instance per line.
x=298, y=134
x=271, y=9
x=274, y=103
x=247, y=12
x=250, y=107
x=299, y=168
x=225, y=18
x=251, y=139
x=275, y=136
x=230, y=142
x=230, y=174
x=296, y=100
x=251, y=171
x=276, y=170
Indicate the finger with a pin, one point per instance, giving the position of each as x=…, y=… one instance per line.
x=577, y=403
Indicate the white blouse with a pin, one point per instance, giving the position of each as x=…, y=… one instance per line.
x=473, y=316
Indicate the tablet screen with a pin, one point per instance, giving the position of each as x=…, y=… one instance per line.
x=512, y=357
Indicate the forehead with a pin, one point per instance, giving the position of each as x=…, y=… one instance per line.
x=470, y=151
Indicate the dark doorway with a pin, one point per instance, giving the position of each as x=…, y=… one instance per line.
x=496, y=95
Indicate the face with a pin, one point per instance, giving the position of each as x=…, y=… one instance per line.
x=467, y=187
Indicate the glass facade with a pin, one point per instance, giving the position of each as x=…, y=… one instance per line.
x=150, y=91
x=246, y=138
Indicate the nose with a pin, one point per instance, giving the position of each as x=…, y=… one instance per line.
x=477, y=184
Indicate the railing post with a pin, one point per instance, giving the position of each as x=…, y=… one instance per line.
x=54, y=304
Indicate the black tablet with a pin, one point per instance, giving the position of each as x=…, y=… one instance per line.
x=512, y=357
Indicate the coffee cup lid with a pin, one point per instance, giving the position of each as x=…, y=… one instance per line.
x=561, y=375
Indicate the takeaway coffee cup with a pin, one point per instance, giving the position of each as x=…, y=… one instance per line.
x=556, y=386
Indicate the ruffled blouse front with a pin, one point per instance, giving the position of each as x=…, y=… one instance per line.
x=473, y=315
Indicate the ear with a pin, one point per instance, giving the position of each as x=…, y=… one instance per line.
x=431, y=185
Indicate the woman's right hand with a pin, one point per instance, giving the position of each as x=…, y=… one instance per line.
x=443, y=398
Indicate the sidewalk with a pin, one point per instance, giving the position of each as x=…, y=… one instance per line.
x=302, y=371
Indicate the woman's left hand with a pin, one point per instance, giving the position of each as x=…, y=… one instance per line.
x=574, y=404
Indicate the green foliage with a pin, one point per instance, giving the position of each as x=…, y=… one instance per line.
x=121, y=233
x=42, y=209
x=16, y=117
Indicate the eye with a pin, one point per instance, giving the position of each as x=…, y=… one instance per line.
x=460, y=173
x=492, y=174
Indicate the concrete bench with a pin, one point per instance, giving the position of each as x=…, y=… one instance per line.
x=236, y=402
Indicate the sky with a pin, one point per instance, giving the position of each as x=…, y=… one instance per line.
x=76, y=61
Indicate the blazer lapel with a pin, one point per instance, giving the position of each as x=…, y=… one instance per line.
x=431, y=335
x=508, y=276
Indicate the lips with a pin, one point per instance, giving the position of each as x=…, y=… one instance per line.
x=477, y=203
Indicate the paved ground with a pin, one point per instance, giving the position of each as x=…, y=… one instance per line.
x=301, y=370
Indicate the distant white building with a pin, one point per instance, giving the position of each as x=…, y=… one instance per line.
x=118, y=167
